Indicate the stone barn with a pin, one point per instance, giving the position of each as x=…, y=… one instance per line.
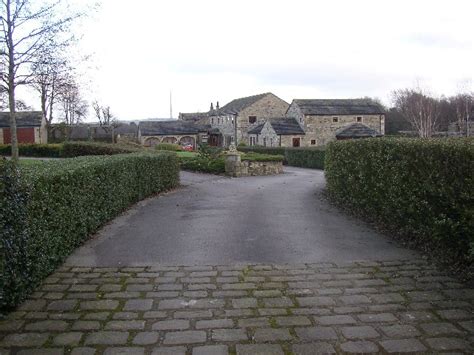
x=322, y=119
x=31, y=127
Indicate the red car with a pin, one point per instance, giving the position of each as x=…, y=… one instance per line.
x=187, y=147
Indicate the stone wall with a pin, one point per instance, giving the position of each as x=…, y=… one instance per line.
x=236, y=167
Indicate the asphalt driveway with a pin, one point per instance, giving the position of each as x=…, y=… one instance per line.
x=219, y=220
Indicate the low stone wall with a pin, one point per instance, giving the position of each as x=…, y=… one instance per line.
x=235, y=167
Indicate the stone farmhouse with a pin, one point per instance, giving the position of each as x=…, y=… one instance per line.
x=31, y=127
x=267, y=120
x=327, y=120
x=238, y=117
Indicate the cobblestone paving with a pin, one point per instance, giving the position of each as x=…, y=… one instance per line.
x=366, y=307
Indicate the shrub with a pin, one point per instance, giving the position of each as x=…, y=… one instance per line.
x=206, y=151
x=305, y=157
x=261, y=157
x=34, y=150
x=77, y=149
x=421, y=188
x=203, y=165
x=50, y=209
x=312, y=158
x=168, y=146
x=263, y=150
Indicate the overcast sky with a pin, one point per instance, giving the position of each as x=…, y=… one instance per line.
x=209, y=50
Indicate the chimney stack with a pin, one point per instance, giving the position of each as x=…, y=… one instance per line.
x=217, y=105
x=212, y=106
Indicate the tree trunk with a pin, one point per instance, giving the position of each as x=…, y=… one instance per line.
x=11, y=85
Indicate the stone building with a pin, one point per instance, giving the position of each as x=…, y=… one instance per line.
x=321, y=120
x=238, y=117
x=277, y=132
x=31, y=127
x=151, y=133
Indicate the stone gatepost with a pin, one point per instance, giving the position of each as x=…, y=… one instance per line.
x=232, y=162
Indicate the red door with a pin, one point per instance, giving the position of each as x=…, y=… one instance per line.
x=25, y=135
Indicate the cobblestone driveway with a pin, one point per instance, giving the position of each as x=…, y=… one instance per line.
x=366, y=307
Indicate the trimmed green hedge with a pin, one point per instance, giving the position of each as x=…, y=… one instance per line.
x=421, y=188
x=50, y=209
x=34, y=150
x=263, y=150
x=251, y=156
x=203, y=164
x=77, y=149
x=304, y=157
x=312, y=158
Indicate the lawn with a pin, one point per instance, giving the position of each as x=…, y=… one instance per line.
x=186, y=154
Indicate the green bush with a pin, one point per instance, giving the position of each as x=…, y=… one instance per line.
x=304, y=157
x=421, y=188
x=51, y=208
x=203, y=165
x=251, y=156
x=312, y=158
x=34, y=150
x=77, y=149
x=263, y=150
x=168, y=146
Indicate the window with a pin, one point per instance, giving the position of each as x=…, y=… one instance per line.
x=359, y=119
x=212, y=120
x=313, y=141
x=335, y=119
x=264, y=142
x=271, y=142
x=252, y=119
x=296, y=142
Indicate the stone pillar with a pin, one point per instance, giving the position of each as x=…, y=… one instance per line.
x=232, y=162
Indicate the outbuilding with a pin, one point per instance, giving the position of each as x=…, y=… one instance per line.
x=31, y=127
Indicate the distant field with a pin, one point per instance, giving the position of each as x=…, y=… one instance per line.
x=186, y=154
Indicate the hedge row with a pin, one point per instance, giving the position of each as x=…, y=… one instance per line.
x=312, y=158
x=203, y=164
x=34, y=150
x=50, y=209
x=77, y=149
x=251, y=156
x=303, y=157
x=263, y=150
x=421, y=188
x=69, y=149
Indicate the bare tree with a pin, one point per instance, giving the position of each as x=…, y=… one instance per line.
x=106, y=119
x=74, y=107
x=419, y=108
x=50, y=75
x=464, y=105
x=27, y=29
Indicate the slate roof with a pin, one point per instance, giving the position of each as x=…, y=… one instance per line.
x=193, y=116
x=175, y=127
x=339, y=107
x=282, y=126
x=357, y=130
x=23, y=119
x=237, y=105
